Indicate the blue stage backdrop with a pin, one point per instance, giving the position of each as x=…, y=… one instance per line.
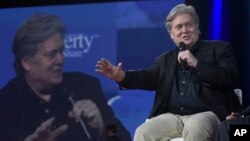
x=130, y=32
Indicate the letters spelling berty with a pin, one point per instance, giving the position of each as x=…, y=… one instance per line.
x=81, y=41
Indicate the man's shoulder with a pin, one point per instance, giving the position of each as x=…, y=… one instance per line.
x=168, y=53
x=214, y=43
x=11, y=90
x=11, y=85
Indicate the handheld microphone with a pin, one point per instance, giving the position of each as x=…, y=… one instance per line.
x=73, y=101
x=182, y=47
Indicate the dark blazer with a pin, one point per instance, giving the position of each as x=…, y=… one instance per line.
x=21, y=112
x=216, y=77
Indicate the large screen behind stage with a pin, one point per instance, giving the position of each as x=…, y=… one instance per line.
x=132, y=32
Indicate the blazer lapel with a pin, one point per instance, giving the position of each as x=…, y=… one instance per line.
x=171, y=62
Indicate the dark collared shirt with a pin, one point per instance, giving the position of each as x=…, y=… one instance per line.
x=184, y=98
x=28, y=111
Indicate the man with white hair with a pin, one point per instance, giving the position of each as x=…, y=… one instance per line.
x=194, y=83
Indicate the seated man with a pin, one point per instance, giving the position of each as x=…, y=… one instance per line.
x=44, y=104
x=193, y=83
x=233, y=118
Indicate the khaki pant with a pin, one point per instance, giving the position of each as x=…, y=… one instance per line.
x=197, y=127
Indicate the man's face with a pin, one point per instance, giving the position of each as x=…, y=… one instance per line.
x=183, y=29
x=45, y=68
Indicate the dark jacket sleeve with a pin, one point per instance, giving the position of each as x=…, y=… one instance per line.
x=218, y=66
x=218, y=76
x=144, y=79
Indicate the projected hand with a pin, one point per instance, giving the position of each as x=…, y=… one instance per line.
x=45, y=133
x=104, y=67
x=90, y=113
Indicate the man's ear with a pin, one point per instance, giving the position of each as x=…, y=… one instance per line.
x=26, y=64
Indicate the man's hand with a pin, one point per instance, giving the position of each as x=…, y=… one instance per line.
x=187, y=57
x=104, y=67
x=45, y=133
x=90, y=112
x=233, y=115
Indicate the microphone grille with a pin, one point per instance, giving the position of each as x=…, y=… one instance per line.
x=182, y=46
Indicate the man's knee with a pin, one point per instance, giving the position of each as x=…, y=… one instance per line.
x=142, y=130
x=201, y=126
x=204, y=121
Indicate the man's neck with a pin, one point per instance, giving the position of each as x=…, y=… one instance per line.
x=43, y=92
